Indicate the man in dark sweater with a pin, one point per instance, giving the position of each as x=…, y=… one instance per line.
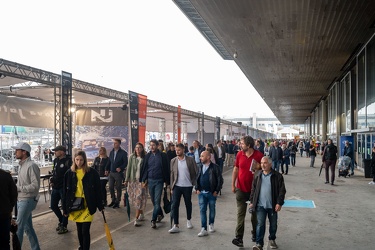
x=61, y=164
x=8, y=197
x=155, y=173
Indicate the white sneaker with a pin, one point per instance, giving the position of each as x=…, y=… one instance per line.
x=211, y=228
x=136, y=223
x=202, y=233
x=189, y=225
x=174, y=229
x=371, y=183
x=141, y=217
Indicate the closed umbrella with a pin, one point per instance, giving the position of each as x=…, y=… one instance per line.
x=321, y=167
x=127, y=205
x=108, y=233
x=15, y=241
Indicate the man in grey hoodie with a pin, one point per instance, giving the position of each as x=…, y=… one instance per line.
x=28, y=184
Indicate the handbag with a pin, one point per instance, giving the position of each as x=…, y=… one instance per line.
x=78, y=204
x=166, y=202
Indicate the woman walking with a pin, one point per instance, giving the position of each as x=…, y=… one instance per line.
x=99, y=164
x=81, y=183
x=312, y=155
x=137, y=193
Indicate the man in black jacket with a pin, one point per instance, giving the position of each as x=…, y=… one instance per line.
x=267, y=196
x=155, y=174
x=209, y=184
x=118, y=161
x=8, y=198
x=61, y=164
x=276, y=154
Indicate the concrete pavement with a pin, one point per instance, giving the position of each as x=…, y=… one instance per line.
x=342, y=219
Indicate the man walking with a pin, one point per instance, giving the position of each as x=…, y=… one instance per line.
x=329, y=158
x=348, y=151
x=8, y=198
x=28, y=184
x=220, y=152
x=276, y=154
x=183, y=178
x=242, y=178
x=209, y=184
x=267, y=197
x=198, y=149
x=118, y=161
x=155, y=174
x=61, y=164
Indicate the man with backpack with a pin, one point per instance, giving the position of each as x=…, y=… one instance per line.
x=329, y=159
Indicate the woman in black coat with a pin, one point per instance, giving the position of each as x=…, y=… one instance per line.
x=81, y=181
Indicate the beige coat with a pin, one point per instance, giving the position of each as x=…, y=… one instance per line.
x=192, y=166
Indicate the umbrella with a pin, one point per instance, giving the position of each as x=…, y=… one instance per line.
x=126, y=203
x=321, y=167
x=108, y=234
x=15, y=241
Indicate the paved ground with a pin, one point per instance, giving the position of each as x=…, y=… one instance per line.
x=343, y=219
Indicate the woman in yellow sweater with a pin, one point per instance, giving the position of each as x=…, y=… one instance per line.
x=81, y=183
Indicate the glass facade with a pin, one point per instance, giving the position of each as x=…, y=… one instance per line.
x=370, y=84
x=361, y=87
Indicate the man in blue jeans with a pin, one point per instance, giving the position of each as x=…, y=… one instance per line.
x=61, y=164
x=155, y=173
x=209, y=183
x=28, y=184
x=267, y=196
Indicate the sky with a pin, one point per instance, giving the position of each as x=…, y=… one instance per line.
x=146, y=46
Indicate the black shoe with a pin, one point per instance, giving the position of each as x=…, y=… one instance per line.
x=159, y=218
x=326, y=182
x=332, y=184
x=117, y=205
x=238, y=242
x=111, y=204
x=58, y=227
x=153, y=224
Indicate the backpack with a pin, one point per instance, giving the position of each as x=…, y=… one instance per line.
x=330, y=152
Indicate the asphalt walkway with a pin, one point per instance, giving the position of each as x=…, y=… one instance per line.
x=343, y=218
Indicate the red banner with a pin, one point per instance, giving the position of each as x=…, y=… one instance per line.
x=142, y=109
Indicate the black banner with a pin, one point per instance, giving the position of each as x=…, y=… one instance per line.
x=114, y=116
x=217, y=127
x=134, y=118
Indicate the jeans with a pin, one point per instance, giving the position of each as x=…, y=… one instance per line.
x=83, y=231
x=276, y=165
x=301, y=152
x=177, y=193
x=5, y=233
x=261, y=227
x=155, y=187
x=25, y=223
x=241, y=198
x=312, y=161
x=293, y=159
x=115, y=177
x=56, y=196
x=205, y=199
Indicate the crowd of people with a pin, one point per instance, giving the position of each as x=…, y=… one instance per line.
x=257, y=182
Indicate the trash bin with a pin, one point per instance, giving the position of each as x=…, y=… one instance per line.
x=367, y=167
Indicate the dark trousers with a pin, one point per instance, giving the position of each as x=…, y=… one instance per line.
x=56, y=196
x=293, y=159
x=115, y=178
x=177, y=193
x=83, y=231
x=330, y=164
x=241, y=198
x=286, y=167
x=103, y=184
x=4, y=232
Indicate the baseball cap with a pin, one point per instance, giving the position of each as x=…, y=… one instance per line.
x=59, y=148
x=23, y=146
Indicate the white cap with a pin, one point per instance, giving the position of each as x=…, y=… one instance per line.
x=23, y=146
